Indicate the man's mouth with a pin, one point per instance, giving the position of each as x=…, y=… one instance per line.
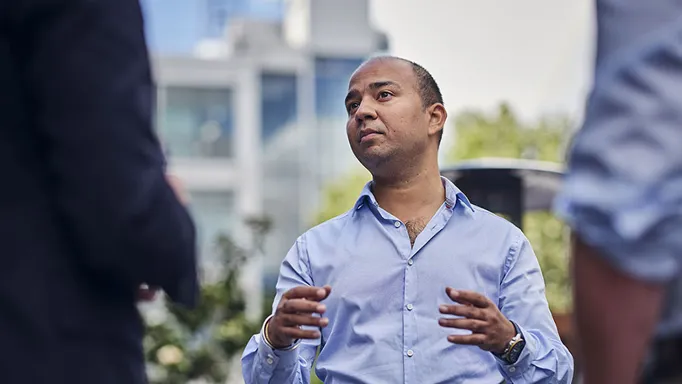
x=369, y=135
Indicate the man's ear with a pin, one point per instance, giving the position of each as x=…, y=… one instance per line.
x=437, y=117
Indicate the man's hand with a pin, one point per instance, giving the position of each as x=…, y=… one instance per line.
x=146, y=293
x=491, y=331
x=178, y=188
x=294, y=310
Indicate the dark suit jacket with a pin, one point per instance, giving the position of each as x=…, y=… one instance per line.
x=86, y=214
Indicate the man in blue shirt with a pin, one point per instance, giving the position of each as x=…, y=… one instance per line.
x=414, y=284
x=623, y=197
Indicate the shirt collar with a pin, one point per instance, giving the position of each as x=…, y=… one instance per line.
x=453, y=196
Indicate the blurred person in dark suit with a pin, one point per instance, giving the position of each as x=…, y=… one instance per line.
x=87, y=215
x=623, y=198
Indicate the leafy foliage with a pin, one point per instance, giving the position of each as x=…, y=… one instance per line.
x=341, y=195
x=502, y=134
x=185, y=346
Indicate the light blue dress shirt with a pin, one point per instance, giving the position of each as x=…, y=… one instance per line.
x=623, y=189
x=383, y=309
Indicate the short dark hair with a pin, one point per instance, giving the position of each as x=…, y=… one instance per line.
x=429, y=91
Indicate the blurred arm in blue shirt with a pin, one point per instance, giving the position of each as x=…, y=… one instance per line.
x=623, y=191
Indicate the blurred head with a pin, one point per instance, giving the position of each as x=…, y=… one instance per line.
x=395, y=114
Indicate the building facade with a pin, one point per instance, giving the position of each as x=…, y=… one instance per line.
x=253, y=121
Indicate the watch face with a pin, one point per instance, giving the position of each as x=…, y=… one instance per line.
x=515, y=351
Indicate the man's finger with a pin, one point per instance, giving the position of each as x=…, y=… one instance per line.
x=146, y=293
x=297, y=333
x=472, y=325
x=292, y=320
x=179, y=188
x=469, y=297
x=473, y=339
x=309, y=293
x=467, y=311
x=302, y=306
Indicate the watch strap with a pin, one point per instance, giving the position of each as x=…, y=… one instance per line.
x=518, y=338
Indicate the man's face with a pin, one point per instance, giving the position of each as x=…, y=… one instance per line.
x=385, y=115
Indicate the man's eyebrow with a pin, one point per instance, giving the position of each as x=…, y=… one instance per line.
x=351, y=94
x=373, y=86
x=382, y=84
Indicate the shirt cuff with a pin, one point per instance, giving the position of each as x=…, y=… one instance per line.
x=514, y=372
x=272, y=358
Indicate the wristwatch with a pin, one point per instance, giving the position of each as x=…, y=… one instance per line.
x=513, y=350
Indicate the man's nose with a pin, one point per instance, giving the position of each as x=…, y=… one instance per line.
x=365, y=111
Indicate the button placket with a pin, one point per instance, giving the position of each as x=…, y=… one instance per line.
x=409, y=319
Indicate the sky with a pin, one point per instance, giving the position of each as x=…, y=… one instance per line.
x=535, y=54
x=174, y=26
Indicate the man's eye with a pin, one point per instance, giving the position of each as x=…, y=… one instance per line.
x=384, y=94
x=352, y=106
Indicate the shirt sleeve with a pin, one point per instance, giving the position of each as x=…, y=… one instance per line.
x=623, y=189
x=545, y=359
x=262, y=364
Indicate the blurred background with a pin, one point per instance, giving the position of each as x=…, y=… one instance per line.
x=251, y=116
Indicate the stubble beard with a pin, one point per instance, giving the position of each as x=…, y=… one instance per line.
x=377, y=160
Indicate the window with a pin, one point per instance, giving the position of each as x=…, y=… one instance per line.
x=278, y=103
x=214, y=215
x=218, y=12
x=196, y=122
x=331, y=85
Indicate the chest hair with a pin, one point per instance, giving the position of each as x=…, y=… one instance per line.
x=414, y=228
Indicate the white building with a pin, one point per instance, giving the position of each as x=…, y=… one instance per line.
x=254, y=122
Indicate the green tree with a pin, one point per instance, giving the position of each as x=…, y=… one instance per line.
x=200, y=344
x=340, y=195
x=502, y=134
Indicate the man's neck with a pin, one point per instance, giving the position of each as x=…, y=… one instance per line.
x=410, y=194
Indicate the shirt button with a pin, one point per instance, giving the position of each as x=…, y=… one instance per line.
x=512, y=369
x=410, y=307
x=396, y=224
x=410, y=262
x=270, y=360
x=410, y=353
x=360, y=206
